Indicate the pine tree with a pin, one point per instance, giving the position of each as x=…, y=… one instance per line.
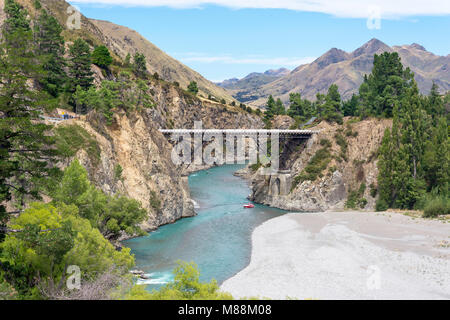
x=270, y=108
x=127, y=62
x=193, y=88
x=140, y=65
x=101, y=57
x=332, y=109
x=25, y=147
x=80, y=65
x=385, y=85
x=50, y=46
x=279, y=107
x=435, y=104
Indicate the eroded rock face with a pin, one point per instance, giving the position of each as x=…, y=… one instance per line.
x=331, y=190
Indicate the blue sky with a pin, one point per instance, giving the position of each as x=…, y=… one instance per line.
x=222, y=41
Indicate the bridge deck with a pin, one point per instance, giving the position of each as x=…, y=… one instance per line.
x=240, y=131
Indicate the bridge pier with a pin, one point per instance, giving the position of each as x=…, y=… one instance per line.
x=280, y=183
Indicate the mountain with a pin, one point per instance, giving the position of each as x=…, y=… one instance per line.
x=241, y=88
x=347, y=70
x=121, y=41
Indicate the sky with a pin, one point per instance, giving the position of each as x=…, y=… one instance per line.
x=223, y=39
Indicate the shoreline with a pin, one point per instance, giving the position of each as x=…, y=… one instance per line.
x=346, y=255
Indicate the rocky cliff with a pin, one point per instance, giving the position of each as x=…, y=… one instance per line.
x=333, y=169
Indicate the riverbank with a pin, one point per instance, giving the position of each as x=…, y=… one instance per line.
x=347, y=255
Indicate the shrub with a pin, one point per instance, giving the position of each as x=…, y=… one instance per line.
x=192, y=87
x=373, y=190
x=436, y=205
x=381, y=205
x=315, y=166
x=155, y=203
x=185, y=286
x=118, y=172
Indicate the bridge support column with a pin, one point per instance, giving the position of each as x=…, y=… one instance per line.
x=280, y=184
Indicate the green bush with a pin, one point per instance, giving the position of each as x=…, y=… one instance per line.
x=118, y=170
x=435, y=206
x=185, y=286
x=381, y=205
x=155, y=203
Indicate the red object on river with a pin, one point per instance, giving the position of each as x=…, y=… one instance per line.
x=249, y=206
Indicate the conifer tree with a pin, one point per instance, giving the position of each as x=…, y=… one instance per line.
x=80, y=65
x=50, y=46
x=25, y=147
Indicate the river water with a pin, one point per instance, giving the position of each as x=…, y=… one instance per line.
x=218, y=239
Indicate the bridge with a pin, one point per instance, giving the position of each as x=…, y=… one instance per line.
x=243, y=132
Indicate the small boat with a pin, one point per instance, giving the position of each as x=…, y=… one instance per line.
x=248, y=206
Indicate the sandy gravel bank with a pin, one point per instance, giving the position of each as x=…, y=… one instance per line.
x=347, y=255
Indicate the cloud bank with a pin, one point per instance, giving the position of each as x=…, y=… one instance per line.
x=342, y=8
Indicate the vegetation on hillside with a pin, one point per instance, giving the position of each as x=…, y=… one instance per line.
x=414, y=155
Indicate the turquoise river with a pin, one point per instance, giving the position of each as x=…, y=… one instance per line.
x=218, y=239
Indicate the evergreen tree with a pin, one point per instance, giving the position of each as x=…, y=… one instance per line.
x=25, y=148
x=331, y=110
x=437, y=159
x=140, y=65
x=101, y=57
x=193, y=88
x=270, y=108
x=50, y=46
x=385, y=85
x=435, y=104
x=80, y=65
x=350, y=107
x=279, y=107
x=128, y=60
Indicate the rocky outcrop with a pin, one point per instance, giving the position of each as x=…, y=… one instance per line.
x=351, y=171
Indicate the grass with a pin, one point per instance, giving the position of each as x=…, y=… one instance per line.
x=72, y=138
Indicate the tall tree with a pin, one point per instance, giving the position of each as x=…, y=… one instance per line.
x=385, y=85
x=50, y=46
x=140, y=65
x=435, y=104
x=80, y=65
x=25, y=146
x=270, y=108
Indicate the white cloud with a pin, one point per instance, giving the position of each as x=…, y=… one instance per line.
x=342, y=8
x=227, y=59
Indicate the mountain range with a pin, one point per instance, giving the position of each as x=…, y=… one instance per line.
x=346, y=69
